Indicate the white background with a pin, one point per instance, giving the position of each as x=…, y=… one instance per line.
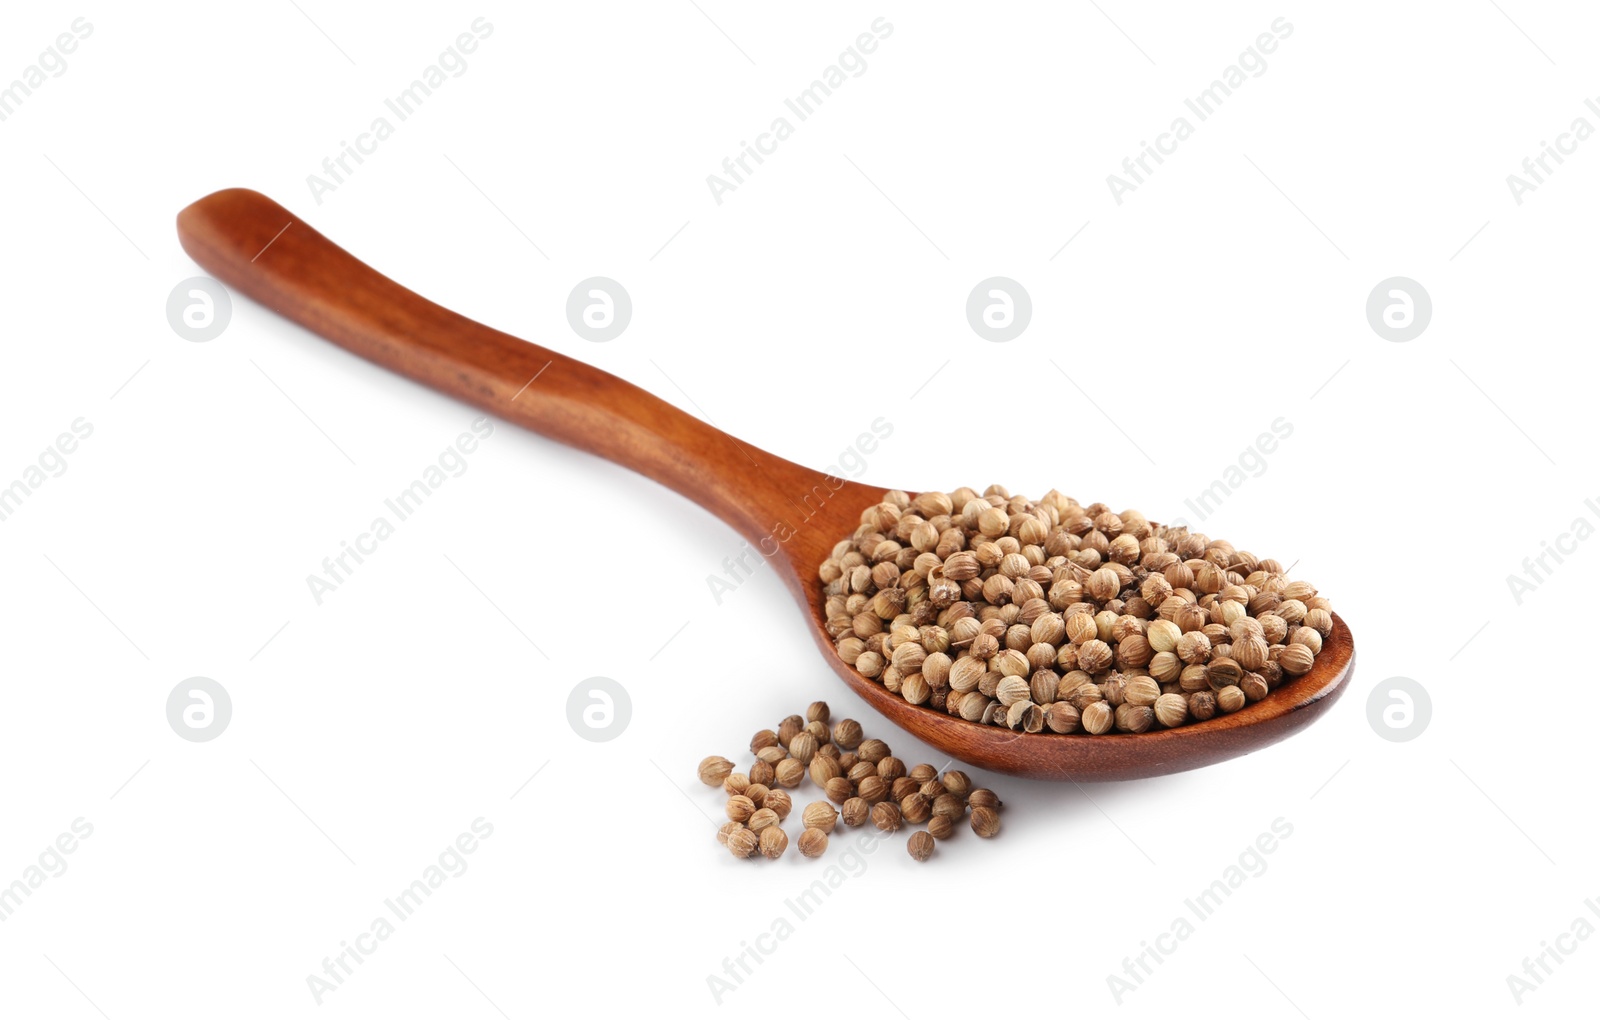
x=369, y=731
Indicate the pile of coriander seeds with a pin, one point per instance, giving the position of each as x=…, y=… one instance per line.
x=861, y=780
x=1052, y=617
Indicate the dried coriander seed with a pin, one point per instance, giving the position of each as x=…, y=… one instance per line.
x=803, y=747
x=854, y=811
x=778, y=802
x=872, y=789
x=757, y=793
x=761, y=818
x=819, y=815
x=817, y=712
x=813, y=843
x=789, y=773
x=715, y=770
x=742, y=843
x=886, y=816
x=763, y=738
x=984, y=798
x=941, y=827
x=1075, y=601
x=762, y=774
x=923, y=773
x=872, y=751
x=740, y=808
x=985, y=822
x=839, y=790
x=787, y=729
x=823, y=769
x=736, y=782
x=727, y=829
x=847, y=734
x=773, y=843
x=920, y=846
x=956, y=782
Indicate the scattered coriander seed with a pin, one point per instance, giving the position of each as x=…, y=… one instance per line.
x=727, y=829
x=946, y=805
x=891, y=768
x=923, y=773
x=743, y=842
x=740, y=808
x=779, y=802
x=736, y=782
x=872, y=789
x=861, y=770
x=839, y=790
x=984, y=798
x=788, y=728
x=823, y=769
x=803, y=747
x=715, y=770
x=941, y=827
x=773, y=842
x=761, y=818
x=985, y=821
x=902, y=788
x=920, y=846
x=818, y=712
x=757, y=793
x=789, y=773
x=886, y=816
x=820, y=815
x=813, y=843
x=847, y=734
x=772, y=755
x=763, y=738
x=915, y=808
x=956, y=782
x=762, y=773
x=854, y=811
x=873, y=751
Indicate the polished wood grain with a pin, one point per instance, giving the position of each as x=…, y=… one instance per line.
x=793, y=513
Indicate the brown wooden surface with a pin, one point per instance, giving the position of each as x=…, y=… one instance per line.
x=774, y=503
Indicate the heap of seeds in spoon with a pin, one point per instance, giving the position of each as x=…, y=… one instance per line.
x=1049, y=616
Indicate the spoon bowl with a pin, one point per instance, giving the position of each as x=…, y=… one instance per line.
x=793, y=514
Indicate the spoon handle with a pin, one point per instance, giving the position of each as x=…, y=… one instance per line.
x=260, y=249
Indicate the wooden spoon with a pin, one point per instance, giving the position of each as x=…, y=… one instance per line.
x=793, y=514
